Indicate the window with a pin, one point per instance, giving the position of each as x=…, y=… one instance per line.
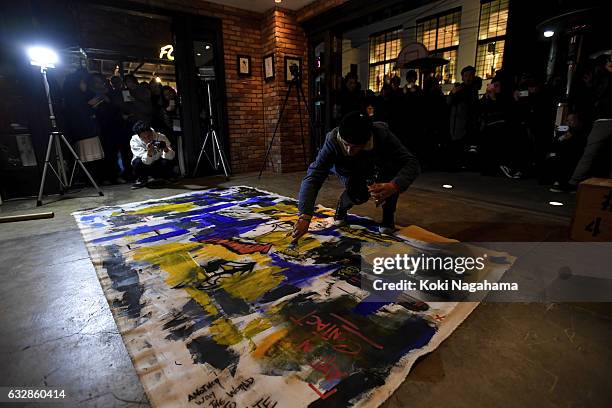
x=384, y=48
x=440, y=35
x=491, y=37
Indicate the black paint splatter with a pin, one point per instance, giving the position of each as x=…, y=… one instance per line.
x=205, y=350
x=125, y=280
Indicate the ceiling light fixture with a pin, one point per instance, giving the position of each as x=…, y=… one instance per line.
x=555, y=203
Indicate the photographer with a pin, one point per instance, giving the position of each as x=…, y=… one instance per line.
x=152, y=154
x=371, y=163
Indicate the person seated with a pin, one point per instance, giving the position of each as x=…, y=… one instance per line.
x=371, y=163
x=152, y=154
x=595, y=160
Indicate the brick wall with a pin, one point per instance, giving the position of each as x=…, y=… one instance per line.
x=252, y=103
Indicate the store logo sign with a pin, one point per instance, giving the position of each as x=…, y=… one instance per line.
x=167, y=51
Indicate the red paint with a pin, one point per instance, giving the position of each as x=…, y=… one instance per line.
x=321, y=395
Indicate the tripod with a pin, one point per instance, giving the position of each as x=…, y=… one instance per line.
x=218, y=157
x=297, y=82
x=57, y=137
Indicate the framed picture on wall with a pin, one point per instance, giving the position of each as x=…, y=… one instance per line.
x=244, y=65
x=289, y=62
x=268, y=66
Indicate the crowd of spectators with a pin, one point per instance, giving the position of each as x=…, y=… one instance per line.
x=101, y=116
x=507, y=128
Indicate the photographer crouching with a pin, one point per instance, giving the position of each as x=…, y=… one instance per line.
x=370, y=161
x=152, y=155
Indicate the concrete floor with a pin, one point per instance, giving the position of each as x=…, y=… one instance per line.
x=58, y=331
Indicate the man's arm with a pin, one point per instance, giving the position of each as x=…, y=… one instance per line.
x=168, y=153
x=139, y=151
x=316, y=175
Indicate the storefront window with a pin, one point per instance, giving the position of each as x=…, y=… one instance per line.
x=384, y=48
x=491, y=37
x=440, y=35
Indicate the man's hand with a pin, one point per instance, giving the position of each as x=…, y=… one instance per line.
x=150, y=149
x=300, y=228
x=381, y=191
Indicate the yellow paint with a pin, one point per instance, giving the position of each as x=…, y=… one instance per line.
x=176, y=261
x=224, y=332
x=203, y=300
x=280, y=211
x=256, y=326
x=173, y=258
x=268, y=342
x=166, y=208
x=250, y=286
x=326, y=211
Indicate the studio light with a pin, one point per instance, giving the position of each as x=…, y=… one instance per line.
x=42, y=57
x=46, y=58
x=447, y=186
x=549, y=33
x=555, y=203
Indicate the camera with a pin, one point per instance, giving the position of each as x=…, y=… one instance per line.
x=159, y=144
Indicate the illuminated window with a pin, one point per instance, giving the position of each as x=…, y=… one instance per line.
x=489, y=58
x=440, y=35
x=384, y=48
x=446, y=73
x=491, y=37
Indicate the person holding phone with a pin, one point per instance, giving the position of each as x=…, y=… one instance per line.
x=152, y=155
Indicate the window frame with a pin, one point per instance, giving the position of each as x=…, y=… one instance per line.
x=489, y=40
x=384, y=61
x=442, y=50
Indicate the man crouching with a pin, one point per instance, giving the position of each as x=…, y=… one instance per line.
x=371, y=163
x=152, y=155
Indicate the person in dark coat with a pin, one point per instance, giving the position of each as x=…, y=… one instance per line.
x=371, y=163
x=463, y=118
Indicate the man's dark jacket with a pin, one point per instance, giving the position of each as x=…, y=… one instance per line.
x=388, y=160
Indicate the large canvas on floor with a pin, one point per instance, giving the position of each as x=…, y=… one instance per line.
x=217, y=309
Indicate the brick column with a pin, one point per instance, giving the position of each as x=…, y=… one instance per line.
x=283, y=36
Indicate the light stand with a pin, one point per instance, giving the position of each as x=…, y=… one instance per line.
x=218, y=157
x=297, y=82
x=57, y=137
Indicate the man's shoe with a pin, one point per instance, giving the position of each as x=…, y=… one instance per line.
x=562, y=188
x=386, y=230
x=556, y=188
x=140, y=183
x=340, y=218
x=507, y=171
